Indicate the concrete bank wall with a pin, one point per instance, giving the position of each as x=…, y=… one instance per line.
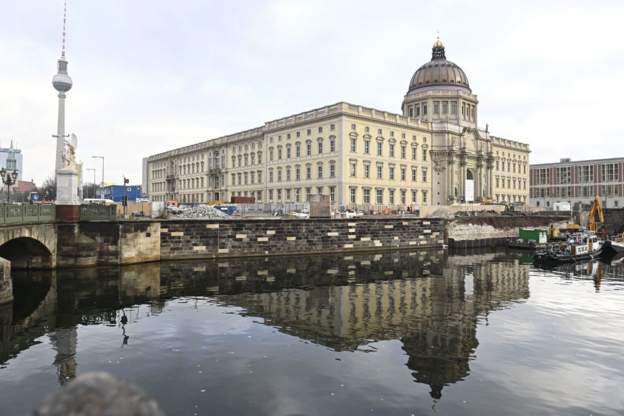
x=494, y=231
x=188, y=239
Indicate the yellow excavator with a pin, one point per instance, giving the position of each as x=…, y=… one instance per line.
x=596, y=209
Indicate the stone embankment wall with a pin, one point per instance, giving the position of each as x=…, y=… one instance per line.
x=107, y=243
x=494, y=231
x=187, y=239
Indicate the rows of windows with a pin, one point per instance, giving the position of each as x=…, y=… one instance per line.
x=390, y=196
x=606, y=172
x=247, y=159
x=290, y=151
x=402, y=174
x=300, y=194
x=511, y=166
x=298, y=173
x=392, y=151
x=247, y=178
x=586, y=191
x=510, y=183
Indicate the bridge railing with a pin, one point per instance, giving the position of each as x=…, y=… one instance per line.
x=90, y=212
x=23, y=214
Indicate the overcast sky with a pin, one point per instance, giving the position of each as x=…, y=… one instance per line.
x=150, y=75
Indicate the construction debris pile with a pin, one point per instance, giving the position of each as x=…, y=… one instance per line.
x=199, y=211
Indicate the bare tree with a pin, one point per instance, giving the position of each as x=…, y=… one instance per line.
x=47, y=190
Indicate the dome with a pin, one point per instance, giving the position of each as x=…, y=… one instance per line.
x=439, y=71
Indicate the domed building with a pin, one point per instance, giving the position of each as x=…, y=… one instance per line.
x=469, y=164
x=432, y=154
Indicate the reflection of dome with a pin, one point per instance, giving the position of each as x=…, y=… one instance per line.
x=439, y=71
x=61, y=81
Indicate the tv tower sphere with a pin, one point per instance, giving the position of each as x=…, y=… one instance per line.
x=62, y=82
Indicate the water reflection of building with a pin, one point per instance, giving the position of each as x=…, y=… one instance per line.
x=428, y=301
x=435, y=317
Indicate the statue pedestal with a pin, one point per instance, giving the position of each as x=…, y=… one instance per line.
x=67, y=201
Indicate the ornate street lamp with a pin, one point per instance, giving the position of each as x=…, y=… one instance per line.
x=9, y=178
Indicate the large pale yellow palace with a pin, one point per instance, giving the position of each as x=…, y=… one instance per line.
x=432, y=154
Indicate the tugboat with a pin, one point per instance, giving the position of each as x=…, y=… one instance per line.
x=579, y=247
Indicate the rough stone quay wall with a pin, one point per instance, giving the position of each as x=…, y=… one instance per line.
x=494, y=231
x=186, y=239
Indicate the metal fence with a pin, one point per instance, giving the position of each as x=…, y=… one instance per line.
x=26, y=214
x=273, y=209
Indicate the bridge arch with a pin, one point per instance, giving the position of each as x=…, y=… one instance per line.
x=29, y=246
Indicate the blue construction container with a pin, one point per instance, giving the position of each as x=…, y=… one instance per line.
x=117, y=192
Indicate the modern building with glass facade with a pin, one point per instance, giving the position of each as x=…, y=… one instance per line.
x=11, y=159
x=433, y=153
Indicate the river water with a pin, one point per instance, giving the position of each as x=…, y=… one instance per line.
x=420, y=333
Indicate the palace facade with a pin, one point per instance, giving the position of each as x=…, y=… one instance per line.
x=431, y=154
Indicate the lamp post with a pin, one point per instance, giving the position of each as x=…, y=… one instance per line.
x=101, y=157
x=8, y=178
x=94, y=185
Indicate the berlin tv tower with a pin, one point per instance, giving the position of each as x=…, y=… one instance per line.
x=62, y=83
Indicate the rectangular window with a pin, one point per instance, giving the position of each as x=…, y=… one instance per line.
x=391, y=196
x=417, y=110
x=436, y=107
x=379, y=171
x=287, y=194
x=379, y=196
x=288, y=153
x=320, y=147
x=454, y=107
x=352, y=195
x=308, y=172
x=297, y=173
x=279, y=175
x=411, y=111
x=424, y=155
x=414, y=174
x=379, y=149
x=332, y=145
x=391, y=149
x=366, y=170
x=403, y=151
x=332, y=194
x=332, y=170
x=414, y=196
x=403, y=196
x=424, y=198
x=298, y=195
x=297, y=149
x=424, y=175
x=424, y=109
x=353, y=145
x=444, y=107
x=402, y=173
x=366, y=197
x=308, y=193
x=391, y=172
x=353, y=169
x=320, y=171
x=308, y=148
x=367, y=146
